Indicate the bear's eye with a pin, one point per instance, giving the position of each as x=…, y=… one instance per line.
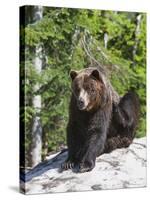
x=77, y=90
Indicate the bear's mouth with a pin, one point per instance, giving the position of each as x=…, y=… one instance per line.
x=81, y=105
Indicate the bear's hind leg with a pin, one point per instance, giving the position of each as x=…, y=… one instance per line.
x=117, y=142
x=125, y=118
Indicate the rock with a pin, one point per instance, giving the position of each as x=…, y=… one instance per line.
x=122, y=168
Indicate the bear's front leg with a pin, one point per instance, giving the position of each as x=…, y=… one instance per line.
x=93, y=148
x=84, y=166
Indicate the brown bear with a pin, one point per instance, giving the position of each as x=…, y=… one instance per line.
x=94, y=107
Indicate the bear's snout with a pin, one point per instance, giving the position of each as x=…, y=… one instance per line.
x=81, y=104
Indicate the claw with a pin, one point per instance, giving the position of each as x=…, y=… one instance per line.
x=63, y=166
x=71, y=165
x=67, y=165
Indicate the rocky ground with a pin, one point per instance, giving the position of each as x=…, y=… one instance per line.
x=122, y=168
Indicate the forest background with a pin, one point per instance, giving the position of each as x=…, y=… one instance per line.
x=55, y=40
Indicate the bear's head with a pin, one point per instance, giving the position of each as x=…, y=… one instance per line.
x=88, y=88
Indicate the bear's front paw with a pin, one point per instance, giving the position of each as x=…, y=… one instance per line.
x=85, y=166
x=67, y=165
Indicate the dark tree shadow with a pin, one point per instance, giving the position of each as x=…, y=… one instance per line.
x=44, y=166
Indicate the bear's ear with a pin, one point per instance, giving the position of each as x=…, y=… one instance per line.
x=73, y=74
x=95, y=75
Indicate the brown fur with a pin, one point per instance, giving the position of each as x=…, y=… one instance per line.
x=125, y=118
x=99, y=121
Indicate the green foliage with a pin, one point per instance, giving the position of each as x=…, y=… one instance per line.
x=73, y=38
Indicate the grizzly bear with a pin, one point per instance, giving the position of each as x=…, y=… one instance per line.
x=96, y=117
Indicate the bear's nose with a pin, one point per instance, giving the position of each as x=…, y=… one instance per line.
x=80, y=104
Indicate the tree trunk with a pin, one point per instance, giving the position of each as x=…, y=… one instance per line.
x=105, y=40
x=137, y=32
x=36, y=146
